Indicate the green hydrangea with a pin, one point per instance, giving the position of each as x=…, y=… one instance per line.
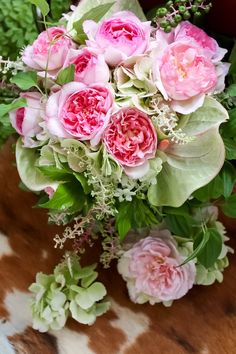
x=70, y=290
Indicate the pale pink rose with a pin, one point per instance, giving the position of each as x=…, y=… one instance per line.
x=151, y=269
x=119, y=37
x=184, y=75
x=48, y=51
x=49, y=191
x=26, y=119
x=187, y=31
x=80, y=112
x=90, y=66
x=130, y=138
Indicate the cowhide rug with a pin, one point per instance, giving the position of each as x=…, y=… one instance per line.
x=203, y=322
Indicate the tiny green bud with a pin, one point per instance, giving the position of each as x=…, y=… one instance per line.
x=186, y=15
x=161, y=12
x=168, y=29
x=178, y=18
x=207, y=9
x=164, y=24
x=169, y=4
x=173, y=23
x=194, y=8
x=182, y=9
x=198, y=14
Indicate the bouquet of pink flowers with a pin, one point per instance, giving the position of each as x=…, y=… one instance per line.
x=119, y=133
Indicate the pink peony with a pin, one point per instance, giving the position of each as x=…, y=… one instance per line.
x=151, y=269
x=79, y=111
x=130, y=137
x=119, y=37
x=90, y=67
x=48, y=51
x=26, y=119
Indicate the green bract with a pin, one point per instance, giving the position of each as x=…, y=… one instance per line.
x=191, y=166
x=70, y=290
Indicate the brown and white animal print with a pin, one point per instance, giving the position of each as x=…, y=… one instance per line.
x=204, y=322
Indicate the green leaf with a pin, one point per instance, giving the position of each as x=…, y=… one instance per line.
x=95, y=14
x=230, y=148
x=135, y=214
x=228, y=175
x=30, y=175
x=180, y=225
x=231, y=90
x=66, y=75
x=212, y=190
x=202, y=239
x=68, y=197
x=229, y=206
x=83, y=181
x=55, y=174
x=6, y=108
x=188, y=167
x=229, y=128
x=42, y=5
x=209, y=254
x=25, y=80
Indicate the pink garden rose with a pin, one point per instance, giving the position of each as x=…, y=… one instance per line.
x=184, y=75
x=187, y=66
x=80, y=112
x=26, y=119
x=90, y=66
x=188, y=32
x=52, y=44
x=151, y=269
x=119, y=37
x=130, y=138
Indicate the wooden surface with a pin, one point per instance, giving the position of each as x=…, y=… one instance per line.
x=203, y=322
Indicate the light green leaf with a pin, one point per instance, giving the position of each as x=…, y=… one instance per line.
x=190, y=166
x=95, y=14
x=83, y=300
x=42, y=5
x=6, y=108
x=230, y=148
x=25, y=80
x=66, y=75
x=210, y=115
x=26, y=165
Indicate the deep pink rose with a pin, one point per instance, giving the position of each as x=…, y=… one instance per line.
x=130, y=137
x=79, y=111
x=26, y=119
x=119, y=37
x=151, y=269
x=90, y=66
x=49, y=50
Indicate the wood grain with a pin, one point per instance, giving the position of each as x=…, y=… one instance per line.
x=203, y=322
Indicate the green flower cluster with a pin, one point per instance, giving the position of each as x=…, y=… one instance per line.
x=70, y=290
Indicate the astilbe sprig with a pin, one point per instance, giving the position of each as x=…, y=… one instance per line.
x=173, y=12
